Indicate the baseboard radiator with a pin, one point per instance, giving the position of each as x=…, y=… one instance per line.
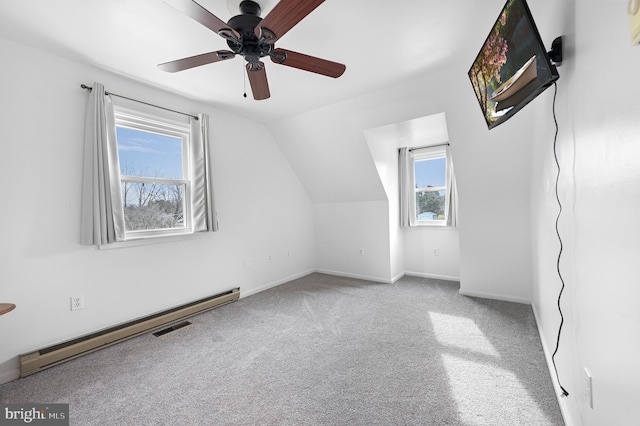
x=57, y=354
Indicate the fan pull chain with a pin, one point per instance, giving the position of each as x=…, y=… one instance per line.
x=244, y=80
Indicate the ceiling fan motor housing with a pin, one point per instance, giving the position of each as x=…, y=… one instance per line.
x=249, y=46
x=250, y=7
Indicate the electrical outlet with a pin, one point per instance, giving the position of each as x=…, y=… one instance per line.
x=270, y=258
x=588, y=388
x=436, y=252
x=77, y=302
x=361, y=252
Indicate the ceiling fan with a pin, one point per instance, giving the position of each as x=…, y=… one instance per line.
x=253, y=37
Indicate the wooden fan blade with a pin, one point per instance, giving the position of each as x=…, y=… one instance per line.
x=307, y=63
x=258, y=82
x=285, y=15
x=202, y=15
x=196, y=61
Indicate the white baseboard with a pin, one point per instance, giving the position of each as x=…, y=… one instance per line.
x=495, y=297
x=432, y=276
x=357, y=276
x=556, y=386
x=397, y=277
x=274, y=284
x=320, y=271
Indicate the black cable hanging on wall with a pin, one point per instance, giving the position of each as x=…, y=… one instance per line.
x=555, y=156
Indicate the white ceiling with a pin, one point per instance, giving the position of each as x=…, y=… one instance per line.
x=381, y=42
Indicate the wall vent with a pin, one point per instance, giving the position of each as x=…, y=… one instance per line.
x=57, y=354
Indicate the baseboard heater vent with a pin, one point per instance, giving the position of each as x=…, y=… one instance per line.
x=171, y=329
x=57, y=354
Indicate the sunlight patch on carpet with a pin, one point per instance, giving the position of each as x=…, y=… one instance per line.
x=462, y=333
x=484, y=393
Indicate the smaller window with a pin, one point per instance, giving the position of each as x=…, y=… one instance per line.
x=430, y=185
x=429, y=176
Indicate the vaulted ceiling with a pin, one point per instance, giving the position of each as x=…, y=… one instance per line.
x=381, y=42
x=404, y=59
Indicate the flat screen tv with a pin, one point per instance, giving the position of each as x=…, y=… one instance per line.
x=513, y=67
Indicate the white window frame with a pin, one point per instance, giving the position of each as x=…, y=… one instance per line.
x=423, y=154
x=142, y=121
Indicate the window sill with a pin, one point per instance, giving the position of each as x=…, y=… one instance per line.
x=431, y=224
x=146, y=241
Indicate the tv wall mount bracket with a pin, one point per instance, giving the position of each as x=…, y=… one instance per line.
x=555, y=54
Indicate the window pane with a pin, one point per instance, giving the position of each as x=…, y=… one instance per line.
x=430, y=173
x=149, y=154
x=152, y=206
x=430, y=205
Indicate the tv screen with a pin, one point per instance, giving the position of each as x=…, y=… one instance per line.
x=513, y=67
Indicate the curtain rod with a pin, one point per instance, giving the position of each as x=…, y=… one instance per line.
x=84, y=86
x=429, y=146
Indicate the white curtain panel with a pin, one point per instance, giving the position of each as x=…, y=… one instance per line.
x=102, y=221
x=407, y=215
x=204, y=214
x=451, y=209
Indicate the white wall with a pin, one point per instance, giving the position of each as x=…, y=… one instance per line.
x=384, y=153
x=493, y=176
x=599, y=152
x=421, y=260
x=262, y=209
x=342, y=230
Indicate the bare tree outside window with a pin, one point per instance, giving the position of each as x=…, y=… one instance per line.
x=152, y=205
x=430, y=188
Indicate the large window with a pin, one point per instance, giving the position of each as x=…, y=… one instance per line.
x=428, y=195
x=146, y=172
x=155, y=179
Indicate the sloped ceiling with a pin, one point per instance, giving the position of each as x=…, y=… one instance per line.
x=380, y=42
x=383, y=43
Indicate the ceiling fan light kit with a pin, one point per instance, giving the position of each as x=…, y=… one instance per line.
x=253, y=38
